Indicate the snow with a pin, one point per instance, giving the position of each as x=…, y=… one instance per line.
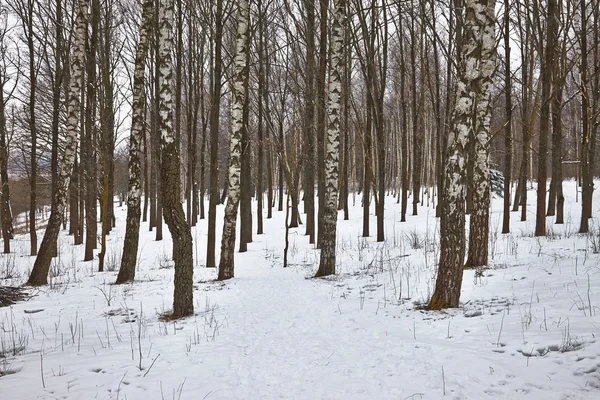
x=527, y=329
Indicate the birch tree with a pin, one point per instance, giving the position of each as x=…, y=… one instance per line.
x=226, y=262
x=183, y=302
x=477, y=36
x=480, y=216
x=132, y=234
x=328, y=248
x=41, y=266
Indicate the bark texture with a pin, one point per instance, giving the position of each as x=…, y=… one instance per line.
x=328, y=246
x=477, y=14
x=41, y=266
x=226, y=263
x=183, y=302
x=132, y=227
x=480, y=215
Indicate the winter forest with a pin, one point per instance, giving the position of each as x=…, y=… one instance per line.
x=272, y=199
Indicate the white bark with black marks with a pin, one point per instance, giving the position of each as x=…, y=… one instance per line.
x=41, y=266
x=183, y=301
x=130, y=247
x=332, y=155
x=226, y=263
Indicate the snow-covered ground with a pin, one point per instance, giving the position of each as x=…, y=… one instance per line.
x=529, y=326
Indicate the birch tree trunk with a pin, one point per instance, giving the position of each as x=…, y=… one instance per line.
x=183, y=302
x=480, y=215
x=41, y=266
x=226, y=263
x=477, y=14
x=132, y=228
x=328, y=247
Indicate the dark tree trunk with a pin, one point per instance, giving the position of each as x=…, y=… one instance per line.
x=91, y=185
x=588, y=138
x=309, y=122
x=5, y=212
x=27, y=23
x=508, y=157
x=557, y=151
x=321, y=106
x=546, y=74
x=246, y=164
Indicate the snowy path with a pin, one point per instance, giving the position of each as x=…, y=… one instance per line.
x=290, y=337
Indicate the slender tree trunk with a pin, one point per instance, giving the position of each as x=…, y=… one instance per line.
x=183, y=301
x=132, y=224
x=309, y=122
x=417, y=134
x=74, y=203
x=91, y=185
x=56, y=98
x=261, y=126
x=27, y=18
x=328, y=248
x=404, y=128
x=214, y=136
x=546, y=74
x=145, y=154
x=321, y=82
x=41, y=266
x=246, y=162
x=226, y=263
x=158, y=151
x=480, y=217
x=588, y=138
x=346, y=118
x=268, y=134
x=6, y=214
x=508, y=156
x=557, y=151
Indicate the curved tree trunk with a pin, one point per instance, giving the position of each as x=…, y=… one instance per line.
x=183, y=302
x=41, y=266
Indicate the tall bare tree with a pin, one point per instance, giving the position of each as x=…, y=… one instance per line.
x=41, y=266
x=183, y=302
x=475, y=60
x=328, y=248
x=130, y=244
x=226, y=263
